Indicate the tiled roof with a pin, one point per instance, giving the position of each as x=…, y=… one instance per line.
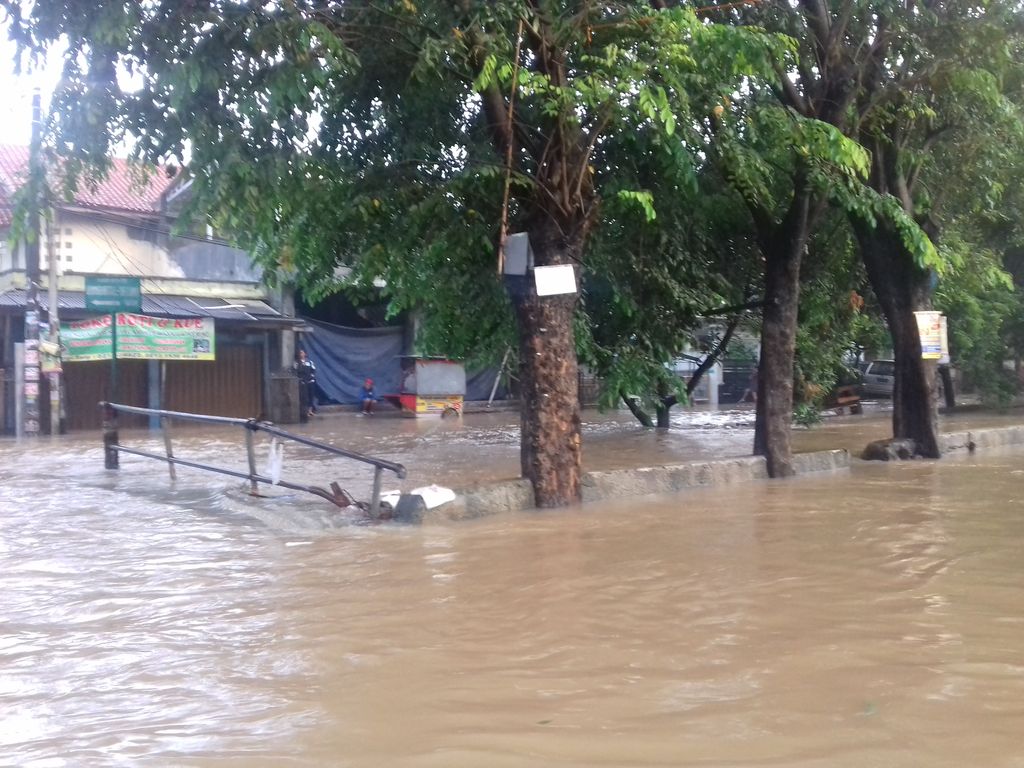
x=124, y=189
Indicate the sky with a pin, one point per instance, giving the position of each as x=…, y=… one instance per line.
x=16, y=93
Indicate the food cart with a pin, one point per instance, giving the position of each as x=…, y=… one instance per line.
x=431, y=386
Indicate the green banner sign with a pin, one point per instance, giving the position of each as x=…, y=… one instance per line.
x=86, y=339
x=140, y=337
x=113, y=294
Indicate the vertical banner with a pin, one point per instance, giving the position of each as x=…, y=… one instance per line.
x=30, y=372
x=944, y=359
x=929, y=326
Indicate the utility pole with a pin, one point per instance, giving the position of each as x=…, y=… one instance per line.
x=30, y=382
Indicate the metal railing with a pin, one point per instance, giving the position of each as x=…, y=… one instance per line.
x=336, y=495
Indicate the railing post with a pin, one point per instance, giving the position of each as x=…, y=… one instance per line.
x=250, y=450
x=110, y=457
x=165, y=426
x=375, y=499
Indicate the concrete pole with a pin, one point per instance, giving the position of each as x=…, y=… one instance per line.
x=54, y=306
x=154, y=386
x=30, y=371
x=287, y=347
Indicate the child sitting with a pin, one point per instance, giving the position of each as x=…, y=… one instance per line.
x=368, y=397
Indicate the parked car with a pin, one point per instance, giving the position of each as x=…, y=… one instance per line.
x=878, y=378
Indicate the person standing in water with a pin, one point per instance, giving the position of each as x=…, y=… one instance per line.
x=305, y=370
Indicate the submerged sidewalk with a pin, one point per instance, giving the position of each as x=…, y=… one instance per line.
x=517, y=495
x=479, y=454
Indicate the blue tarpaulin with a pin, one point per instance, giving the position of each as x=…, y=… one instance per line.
x=345, y=357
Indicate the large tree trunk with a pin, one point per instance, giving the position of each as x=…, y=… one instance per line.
x=550, y=447
x=783, y=251
x=903, y=288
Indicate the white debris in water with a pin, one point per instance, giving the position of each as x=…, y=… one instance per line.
x=434, y=495
x=275, y=461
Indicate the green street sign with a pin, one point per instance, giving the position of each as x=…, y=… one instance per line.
x=109, y=295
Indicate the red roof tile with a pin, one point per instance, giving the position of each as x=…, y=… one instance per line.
x=123, y=189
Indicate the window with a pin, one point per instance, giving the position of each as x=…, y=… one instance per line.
x=145, y=234
x=883, y=368
x=67, y=231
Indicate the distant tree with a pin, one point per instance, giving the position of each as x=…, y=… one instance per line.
x=834, y=318
x=658, y=285
x=981, y=215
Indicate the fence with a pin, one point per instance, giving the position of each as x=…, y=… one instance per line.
x=335, y=495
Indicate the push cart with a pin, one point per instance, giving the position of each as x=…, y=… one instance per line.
x=431, y=386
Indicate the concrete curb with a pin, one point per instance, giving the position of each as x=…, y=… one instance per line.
x=974, y=439
x=517, y=495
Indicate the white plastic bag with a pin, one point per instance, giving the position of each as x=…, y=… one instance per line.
x=275, y=461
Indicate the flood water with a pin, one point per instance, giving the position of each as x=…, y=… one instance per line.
x=874, y=618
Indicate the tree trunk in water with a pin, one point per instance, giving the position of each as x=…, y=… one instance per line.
x=666, y=400
x=663, y=415
x=634, y=408
x=550, y=447
x=783, y=251
x=665, y=403
x=902, y=288
x=947, y=386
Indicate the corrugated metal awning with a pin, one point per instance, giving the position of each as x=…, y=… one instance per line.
x=71, y=304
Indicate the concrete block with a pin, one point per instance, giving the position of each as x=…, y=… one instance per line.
x=490, y=499
x=980, y=439
x=821, y=461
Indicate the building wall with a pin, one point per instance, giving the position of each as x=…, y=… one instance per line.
x=11, y=257
x=101, y=245
x=87, y=383
x=231, y=385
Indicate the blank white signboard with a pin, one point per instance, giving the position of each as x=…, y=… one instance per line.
x=555, y=280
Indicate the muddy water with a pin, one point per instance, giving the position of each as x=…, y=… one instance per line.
x=874, y=619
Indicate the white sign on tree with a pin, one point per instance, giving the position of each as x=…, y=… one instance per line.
x=555, y=280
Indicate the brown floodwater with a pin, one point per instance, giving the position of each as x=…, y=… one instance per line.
x=874, y=618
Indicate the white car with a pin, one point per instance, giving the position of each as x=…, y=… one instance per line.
x=878, y=378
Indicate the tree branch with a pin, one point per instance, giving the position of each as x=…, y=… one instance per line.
x=817, y=18
x=926, y=147
x=713, y=356
x=634, y=407
x=790, y=95
x=838, y=29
